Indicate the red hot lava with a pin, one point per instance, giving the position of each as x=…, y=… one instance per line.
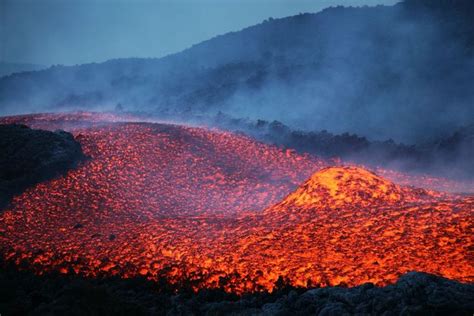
x=194, y=205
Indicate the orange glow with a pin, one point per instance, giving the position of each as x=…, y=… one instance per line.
x=209, y=208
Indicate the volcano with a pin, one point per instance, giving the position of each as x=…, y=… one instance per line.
x=213, y=209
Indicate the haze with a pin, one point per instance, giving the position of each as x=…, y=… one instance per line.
x=81, y=31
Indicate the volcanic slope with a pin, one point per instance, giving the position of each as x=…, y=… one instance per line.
x=346, y=225
x=194, y=206
x=132, y=205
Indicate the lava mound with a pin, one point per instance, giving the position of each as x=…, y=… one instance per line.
x=338, y=187
x=347, y=226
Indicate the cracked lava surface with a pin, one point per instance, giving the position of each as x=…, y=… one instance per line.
x=220, y=210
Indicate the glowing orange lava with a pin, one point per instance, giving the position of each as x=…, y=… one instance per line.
x=209, y=208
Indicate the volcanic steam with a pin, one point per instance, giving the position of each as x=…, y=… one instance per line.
x=208, y=208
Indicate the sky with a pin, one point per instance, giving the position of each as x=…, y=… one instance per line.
x=68, y=32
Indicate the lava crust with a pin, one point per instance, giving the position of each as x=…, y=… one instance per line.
x=194, y=205
x=30, y=156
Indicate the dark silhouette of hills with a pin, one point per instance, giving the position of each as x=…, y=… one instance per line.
x=7, y=69
x=404, y=72
x=449, y=155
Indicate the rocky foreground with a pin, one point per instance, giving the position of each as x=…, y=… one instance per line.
x=414, y=294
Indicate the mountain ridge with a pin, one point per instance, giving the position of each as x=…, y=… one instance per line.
x=409, y=64
x=7, y=68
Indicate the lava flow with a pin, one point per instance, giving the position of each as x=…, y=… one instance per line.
x=208, y=208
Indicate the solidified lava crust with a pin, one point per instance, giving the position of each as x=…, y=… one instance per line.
x=220, y=210
x=30, y=156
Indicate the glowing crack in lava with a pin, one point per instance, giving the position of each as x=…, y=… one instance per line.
x=208, y=208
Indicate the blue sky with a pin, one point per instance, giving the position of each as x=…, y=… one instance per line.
x=81, y=31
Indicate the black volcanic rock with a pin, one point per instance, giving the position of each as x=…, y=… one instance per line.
x=30, y=156
x=415, y=293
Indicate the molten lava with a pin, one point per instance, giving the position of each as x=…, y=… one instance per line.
x=350, y=187
x=208, y=208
